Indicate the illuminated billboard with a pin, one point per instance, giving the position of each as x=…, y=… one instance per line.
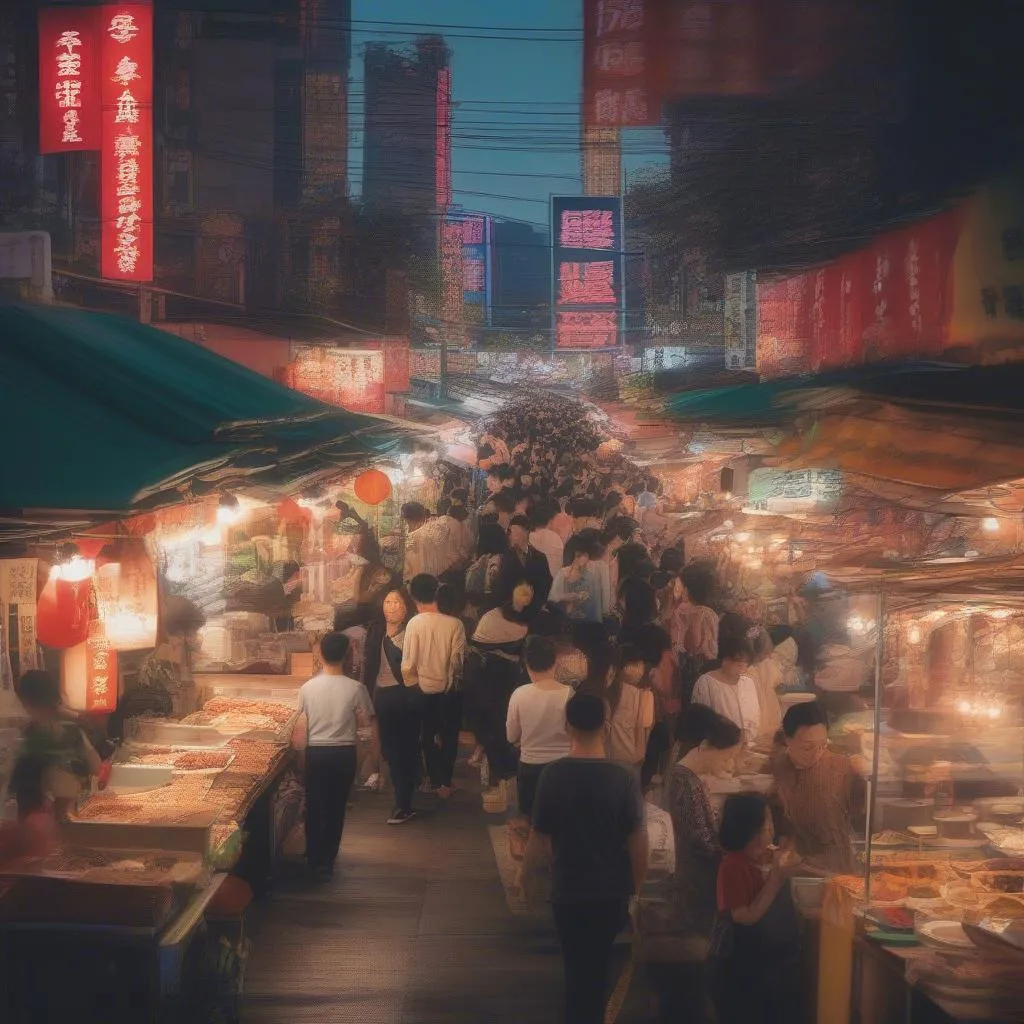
x=587, y=279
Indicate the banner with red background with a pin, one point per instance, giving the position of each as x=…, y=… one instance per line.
x=69, y=99
x=126, y=90
x=891, y=299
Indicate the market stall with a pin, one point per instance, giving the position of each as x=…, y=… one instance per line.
x=932, y=929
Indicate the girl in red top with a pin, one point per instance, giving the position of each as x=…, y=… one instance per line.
x=752, y=946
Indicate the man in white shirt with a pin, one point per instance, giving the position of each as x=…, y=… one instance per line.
x=331, y=709
x=432, y=660
x=545, y=539
x=729, y=689
x=432, y=546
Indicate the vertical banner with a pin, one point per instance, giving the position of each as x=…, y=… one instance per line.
x=619, y=85
x=741, y=321
x=452, y=282
x=69, y=101
x=443, y=149
x=126, y=90
x=587, y=271
x=101, y=684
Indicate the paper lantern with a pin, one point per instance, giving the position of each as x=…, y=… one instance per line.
x=372, y=487
x=126, y=593
x=62, y=614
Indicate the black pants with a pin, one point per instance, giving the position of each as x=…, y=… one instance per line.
x=442, y=718
x=398, y=717
x=528, y=777
x=330, y=772
x=587, y=933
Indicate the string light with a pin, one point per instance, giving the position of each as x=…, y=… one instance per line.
x=228, y=511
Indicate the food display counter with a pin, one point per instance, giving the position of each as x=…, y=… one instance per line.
x=944, y=860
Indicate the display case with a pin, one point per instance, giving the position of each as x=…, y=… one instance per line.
x=944, y=738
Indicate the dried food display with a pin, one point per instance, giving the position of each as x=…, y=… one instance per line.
x=280, y=713
x=184, y=760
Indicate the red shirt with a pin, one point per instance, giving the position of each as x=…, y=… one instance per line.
x=739, y=882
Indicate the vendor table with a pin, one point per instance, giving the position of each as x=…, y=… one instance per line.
x=882, y=993
x=98, y=972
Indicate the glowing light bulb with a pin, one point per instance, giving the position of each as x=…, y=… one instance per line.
x=77, y=570
x=990, y=524
x=994, y=713
x=914, y=636
x=228, y=515
x=964, y=707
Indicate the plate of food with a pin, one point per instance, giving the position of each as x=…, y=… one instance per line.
x=944, y=935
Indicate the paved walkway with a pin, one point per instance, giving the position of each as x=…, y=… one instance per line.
x=414, y=929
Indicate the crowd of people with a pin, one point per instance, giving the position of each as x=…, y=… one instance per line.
x=595, y=669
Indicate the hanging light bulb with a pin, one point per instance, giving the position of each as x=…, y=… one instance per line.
x=228, y=511
x=990, y=524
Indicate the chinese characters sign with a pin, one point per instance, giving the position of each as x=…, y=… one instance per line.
x=740, y=326
x=587, y=281
x=100, y=671
x=452, y=281
x=69, y=103
x=351, y=379
x=891, y=299
x=619, y=85
x=126, y=91
x=443, y=151
x=476, y=261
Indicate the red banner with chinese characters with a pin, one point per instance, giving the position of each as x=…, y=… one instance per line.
x=893, y=299
x=126, y=90
x=69, y=100
x=443, y=155
x=620, y=40
x=396, y=366
x=100, y=671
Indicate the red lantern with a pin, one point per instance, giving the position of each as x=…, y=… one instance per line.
x=289, y=512
x=372, y=487
x=62, y=615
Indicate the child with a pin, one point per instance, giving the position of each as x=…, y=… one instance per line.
x=754, y=938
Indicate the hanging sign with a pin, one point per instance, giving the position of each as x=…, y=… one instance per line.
x=100, y=672
x=126, y=90
x=69, y=101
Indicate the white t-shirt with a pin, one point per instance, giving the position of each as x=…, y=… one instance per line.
x=330, y=704
x=738, y=703
x=536, y=721
x=551, y=545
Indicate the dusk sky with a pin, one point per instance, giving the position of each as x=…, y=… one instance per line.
x=516, y=129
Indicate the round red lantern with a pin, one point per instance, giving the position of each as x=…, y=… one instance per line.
x=372, y=487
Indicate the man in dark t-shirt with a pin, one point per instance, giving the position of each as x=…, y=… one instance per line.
x=589, y=814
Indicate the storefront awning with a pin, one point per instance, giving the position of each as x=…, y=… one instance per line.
x=104, y=415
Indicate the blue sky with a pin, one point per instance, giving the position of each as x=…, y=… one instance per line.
x=516, y=132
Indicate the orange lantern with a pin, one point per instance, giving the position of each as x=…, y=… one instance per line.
x=63, y=611
x=372, y=487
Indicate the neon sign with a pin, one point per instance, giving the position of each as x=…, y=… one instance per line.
x=126, y=90
x=69, y=107
x=587, y=229
x=587, y=330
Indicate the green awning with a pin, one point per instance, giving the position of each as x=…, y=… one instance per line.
x=103, y=414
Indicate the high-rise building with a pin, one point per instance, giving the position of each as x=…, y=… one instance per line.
x=407, y=136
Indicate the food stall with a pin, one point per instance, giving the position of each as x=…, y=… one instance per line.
x=934, y=928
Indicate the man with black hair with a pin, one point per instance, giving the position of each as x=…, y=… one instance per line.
x=588, y=814
x=432, y=656
x=331, y=709
x=523, y=563
x=544, y=538
x=433, y=545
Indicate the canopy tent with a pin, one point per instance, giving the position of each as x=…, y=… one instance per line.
x=105, y=416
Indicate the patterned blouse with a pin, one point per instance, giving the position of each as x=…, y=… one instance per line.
x=697, y=852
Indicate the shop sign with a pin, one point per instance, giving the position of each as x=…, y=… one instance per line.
x=353, y=380
x=891, y=299
x=100, y=672
x=443, y=149
x=69, y=100
x=126, y=90
x=619, y=65
x=451, y=282
x=740, y=313
x=587, y=284
x=396, y=365
x=781, y=490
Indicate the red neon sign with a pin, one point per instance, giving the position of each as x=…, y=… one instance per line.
x=587, y=330
x=587, y=229
x=69, y=104
x=126, y=89
x=586, y=284
x=443, y=162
